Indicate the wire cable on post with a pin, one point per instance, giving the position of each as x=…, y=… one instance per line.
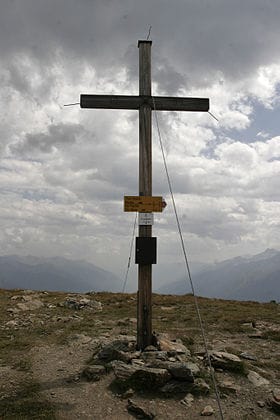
x=149, y=33
x=188, y=267
x=76, y=103
x=213, y=116
x=130, y=253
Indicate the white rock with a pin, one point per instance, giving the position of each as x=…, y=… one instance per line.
x=207, y=411
x=257, y=379
x=31, y=305
x=226, y=356
x=188, y=400
x=12, y=323
x=276, y=394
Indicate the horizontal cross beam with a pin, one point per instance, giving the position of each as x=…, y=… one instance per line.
x=158, y=103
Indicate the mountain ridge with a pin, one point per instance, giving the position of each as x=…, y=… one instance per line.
x=250, y=277
x=255, y=277
x=54, y=274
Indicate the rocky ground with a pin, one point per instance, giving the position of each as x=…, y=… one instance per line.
x=66, y=356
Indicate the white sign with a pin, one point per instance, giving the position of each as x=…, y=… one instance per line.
x=146, y=219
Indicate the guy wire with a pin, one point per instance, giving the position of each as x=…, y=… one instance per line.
x=76, y=103
x=188, y=267
x=213, y=116
x=130, y=253
x=149, y=33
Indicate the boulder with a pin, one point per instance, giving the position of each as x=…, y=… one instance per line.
x=116, y=350
x=82, y=303
x=13, y=311
x=229, y=387
x=174, y=387
x=256, y=336
x=274, y=401
x=248, y=356
x=12, y=324
x=207, y=411
x=150, y=378
x=30, y=305
x=257, y=379
x=127, y=322
x=138, y=411
x=188, y=400
x=122, y=371
x=276, y=394
x=275, y=405
x=173, y=347
x=183, y=371
x=94, y=372
x=81, y=338
x=226, y=361
x=150, y=348
x=16, y=297
x=153, y=356
x=200, y=387
x=180, y=371
x=127, y=393
x=140, y=377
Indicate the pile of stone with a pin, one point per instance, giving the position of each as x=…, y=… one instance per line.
x=28, y=302
x=167, y=368
x=226, y=361
x=78, y=303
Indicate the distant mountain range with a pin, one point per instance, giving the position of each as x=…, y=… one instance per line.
x=55, y=274
x=242, y=278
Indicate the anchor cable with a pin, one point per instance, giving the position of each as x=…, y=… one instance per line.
x=188, y=267
x=130, y=253
x=149, y=33
x=213, y=116
x=76, y=103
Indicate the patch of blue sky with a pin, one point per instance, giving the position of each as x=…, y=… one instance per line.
x=264, y=125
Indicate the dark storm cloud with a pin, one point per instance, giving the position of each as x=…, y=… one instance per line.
x=59, y=136
x=73, y=165
x=198, y=38
x=31, y=79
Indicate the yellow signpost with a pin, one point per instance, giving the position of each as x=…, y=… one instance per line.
x=143, y=204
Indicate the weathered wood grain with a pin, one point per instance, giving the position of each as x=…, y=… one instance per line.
x=159, y=103
x=144, y=304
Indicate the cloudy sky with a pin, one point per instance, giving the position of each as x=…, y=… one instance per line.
x=64, y=170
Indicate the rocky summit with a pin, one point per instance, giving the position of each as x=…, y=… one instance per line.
x=69, y=356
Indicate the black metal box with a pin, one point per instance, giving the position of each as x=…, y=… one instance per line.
x=146, y=250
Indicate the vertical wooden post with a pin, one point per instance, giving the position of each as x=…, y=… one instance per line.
x=144, y=103
x=144, y=301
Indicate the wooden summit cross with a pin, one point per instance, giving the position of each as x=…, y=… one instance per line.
x=145, y=104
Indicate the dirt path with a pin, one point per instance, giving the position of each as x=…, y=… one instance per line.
x=58, y=368
x=43, y=352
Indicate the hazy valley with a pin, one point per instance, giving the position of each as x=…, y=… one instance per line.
x=242, y=278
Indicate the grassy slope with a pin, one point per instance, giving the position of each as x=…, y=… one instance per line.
x=172, y=314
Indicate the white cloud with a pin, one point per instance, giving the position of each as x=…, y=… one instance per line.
x=64, y=171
